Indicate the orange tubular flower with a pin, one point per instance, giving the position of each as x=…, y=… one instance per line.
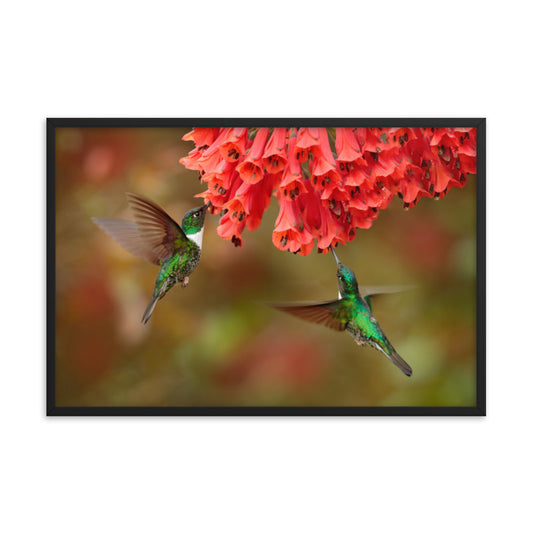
x=275, y=156
x=328, y=182
x=231, y=228
x=290, y=232
x=306, y=139
x=292, y=178
x=251, y=169
x=233, y=144
x=202, y=137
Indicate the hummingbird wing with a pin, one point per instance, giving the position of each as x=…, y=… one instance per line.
x=127, y=235
x=160, y=233
x=375, y=290
x=330, y=314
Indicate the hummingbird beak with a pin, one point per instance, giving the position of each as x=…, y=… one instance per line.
x=335, y=255
x=207, y=205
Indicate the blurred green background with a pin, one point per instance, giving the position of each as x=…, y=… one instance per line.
x=213, y=343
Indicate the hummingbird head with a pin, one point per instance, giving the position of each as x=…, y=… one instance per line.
x=345, y=277
x=193, y=220
x=346, y=280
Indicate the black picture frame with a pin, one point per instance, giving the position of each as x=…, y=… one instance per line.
x=478, y=410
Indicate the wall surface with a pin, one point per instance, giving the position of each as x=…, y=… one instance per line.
x=279, y=59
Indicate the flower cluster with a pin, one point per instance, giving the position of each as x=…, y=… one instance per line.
x=328, y=181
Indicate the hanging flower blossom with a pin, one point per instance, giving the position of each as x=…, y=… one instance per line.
x=251, y=169
x=328, y=181
x=291, y=232
x=292, y=177
x=275, y=154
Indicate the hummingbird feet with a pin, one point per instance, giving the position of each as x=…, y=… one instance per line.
x=185, y=282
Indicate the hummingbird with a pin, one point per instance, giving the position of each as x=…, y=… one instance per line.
x=351, y=312
x=156, y=237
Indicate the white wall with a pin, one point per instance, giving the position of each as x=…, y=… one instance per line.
x=332, y=58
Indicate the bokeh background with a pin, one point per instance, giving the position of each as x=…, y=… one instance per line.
x=214, y=343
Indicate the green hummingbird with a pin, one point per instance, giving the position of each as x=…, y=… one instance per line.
x=155, y=237
x=351, y=312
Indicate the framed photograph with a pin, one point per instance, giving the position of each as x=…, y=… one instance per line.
x=266, y=266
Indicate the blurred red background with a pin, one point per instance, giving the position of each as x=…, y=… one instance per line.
x=213, y=343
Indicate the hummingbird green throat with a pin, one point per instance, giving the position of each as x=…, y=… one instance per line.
x=351, y=312
x=155, y=237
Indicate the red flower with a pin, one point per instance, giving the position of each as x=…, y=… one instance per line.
x=291, y=184
x=332, y=231
x=202, y=136
x=255, y=198
x=347, y=146
x=323, y=167
x=275, y=155
x=290, y=232
x=306, y=139
x=233, y=144
x=328, y=182
x=251, y=169
x=231, y=228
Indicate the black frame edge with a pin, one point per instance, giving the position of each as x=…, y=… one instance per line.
x=266, y=411
x=481, y=267
x=261, y=122
x=50, y=266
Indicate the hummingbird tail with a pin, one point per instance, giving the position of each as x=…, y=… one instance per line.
x=393, y=356
x=149, y=309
